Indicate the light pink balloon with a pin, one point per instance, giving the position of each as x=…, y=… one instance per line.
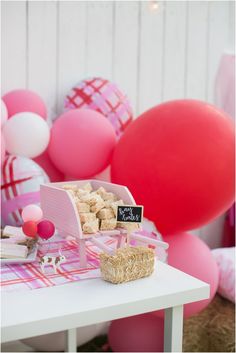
x=45, y=162
x=32, y=213
x=4, y=113
x=82, y=142
x=23, y=100
x=3, y=148
x=141, y=333
x=191, y=255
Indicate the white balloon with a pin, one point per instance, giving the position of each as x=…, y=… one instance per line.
x=26, y=134
x=55, y=342
x=4, y=113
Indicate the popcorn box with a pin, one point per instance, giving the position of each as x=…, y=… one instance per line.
x=60, y=207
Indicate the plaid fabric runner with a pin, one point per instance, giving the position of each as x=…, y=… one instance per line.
x=29, y=276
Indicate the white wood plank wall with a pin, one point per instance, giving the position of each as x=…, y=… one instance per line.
x=154, y=56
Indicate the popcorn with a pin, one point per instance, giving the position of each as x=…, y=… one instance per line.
x=82, y=207
x=105, y=213
x=91, y=227
x=98, y=206
x=87, y=217
x=108, y=224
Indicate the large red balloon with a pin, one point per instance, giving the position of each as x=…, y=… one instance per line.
x=191, y=255
x=177, y=159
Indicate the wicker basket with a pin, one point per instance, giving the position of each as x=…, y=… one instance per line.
x=128, y=264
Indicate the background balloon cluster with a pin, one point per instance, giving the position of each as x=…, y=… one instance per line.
x=77, y=145
x=177, y=159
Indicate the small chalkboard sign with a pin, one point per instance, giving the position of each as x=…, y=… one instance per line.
x=130, y=214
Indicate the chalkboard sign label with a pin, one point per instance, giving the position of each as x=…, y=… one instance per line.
x=130, y=214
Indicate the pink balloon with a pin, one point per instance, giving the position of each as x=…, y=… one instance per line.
x=32, y=213
x=4, y=113
x=3, y=148
x=82, y=142
x=45, y=229
x=191, y=255
x=23, y=100
x=142, y=333
x=45, y=162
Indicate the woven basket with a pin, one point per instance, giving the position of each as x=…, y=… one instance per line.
x=128, y=264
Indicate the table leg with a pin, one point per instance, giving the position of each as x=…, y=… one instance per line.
x=173, y=329
x=71, y=340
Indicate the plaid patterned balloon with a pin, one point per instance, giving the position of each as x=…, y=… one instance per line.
x=105, y=97
x=20, y=183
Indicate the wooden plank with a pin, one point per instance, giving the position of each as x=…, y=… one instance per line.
x=42, y=50
x=218, y=39
x=13, y=45
x=99, y=39
x=151, y=45
x=72, y=45
x=173, y=80
x=126, y=48
x=197, y=49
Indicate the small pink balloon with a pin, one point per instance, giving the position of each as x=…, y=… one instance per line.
x=46, y=229
x=32, y=213
x=4, y=113
x=191, y=255
x=82, y=142
x=141, y=333
x=23, y=100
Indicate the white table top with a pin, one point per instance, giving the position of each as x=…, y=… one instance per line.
x=40, y=311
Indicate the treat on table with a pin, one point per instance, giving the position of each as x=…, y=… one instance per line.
x=82, y=207
x=115, y=204
x=108, y=224
x=12, y=251
x=97, y=206
x=127, y=264
x=105, y=213
x=109, y=196
x=68, y=187
x=87, y=217
x=87, y=187
x=29, y=243
x=91, y=227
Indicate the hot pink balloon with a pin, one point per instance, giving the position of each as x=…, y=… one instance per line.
x=45, y=162
x=142, y=333
x=191, y=255
x=32, y=213
x=23, y=100
x=82, y=142
x=45, y=229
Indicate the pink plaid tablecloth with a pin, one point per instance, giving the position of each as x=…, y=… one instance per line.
x=30, y=276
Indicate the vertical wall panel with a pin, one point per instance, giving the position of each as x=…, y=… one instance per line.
x=126, y=45
x=72, y=28
x=13, y=55
x=197, y=49
x=218, y=40
x=151, y=43
x=42, y=50
x=99, y=39
x=174, y=50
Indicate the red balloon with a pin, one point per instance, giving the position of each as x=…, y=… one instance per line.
x=191, y=255
x=30, y=229
x=177, y=159
x=45, y=162
x=46, y=229
x=141, y=333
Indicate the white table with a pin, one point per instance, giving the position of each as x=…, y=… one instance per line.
x=36, y=312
